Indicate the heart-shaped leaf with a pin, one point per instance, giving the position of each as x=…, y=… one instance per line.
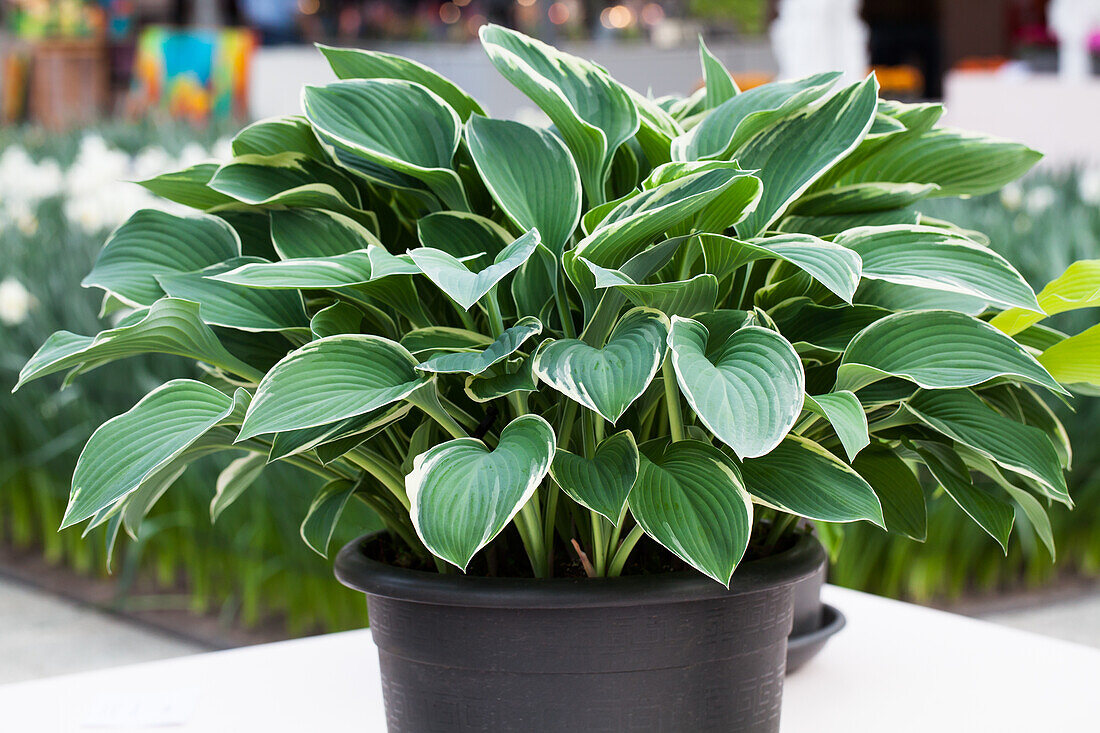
x=462, y=494
x=540, y=189
x=464, y=287
x=747, y=391
x=164, y=423
x=601, y=483
x=801, y=477
x=328, y=380
x=152, y=243
x=317, y=233
x=607, y=380
x=934, y=258
x=690, y=499
x=935, y=350
x=476, y=362
x=844, y=411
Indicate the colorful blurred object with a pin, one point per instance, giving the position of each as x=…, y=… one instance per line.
x=193, y=74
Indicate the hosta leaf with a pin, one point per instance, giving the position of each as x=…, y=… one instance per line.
x=358, y=63
x=962, y=416
x=462, y=235
x=328, y=380
x=442, y=338
x=164, y=423
x=835, y=267
x=463, y=494
x=825, y=327
x=277, y=135
x=286, y=179
x=467, y=288
x=601, y=483
x=233, y=306
x=310, y=273
x=188, y=186
x=861, y=198
x=323, y=514
x=682, y=298
x=1032, y=509
x=1075, y=360
x=717, y=81
x=795, y=152
x=513, y=375
x=1077, y=287
x=338, y=318
x=234, y=480
x=845, y=413
x=476, y=362
x=929, y=257
x=828, y=226
x=892, y=296
x=540, y=189
x=898, y=490
x=725, y=210
x=803, y=478
x=152, y=243
x=292, y=442
x=607, y=380
x=394, y=124
x=634, y=223
x=747, y=391
x=593, y=113
x=317, y=233
x=170, y=326
x=937, y=349
x=690, y=499
x=736, y=120
x=992, y=514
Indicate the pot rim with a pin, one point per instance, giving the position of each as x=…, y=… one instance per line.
x=355, y=570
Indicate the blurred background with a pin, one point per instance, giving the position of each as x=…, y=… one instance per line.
x=95, y=93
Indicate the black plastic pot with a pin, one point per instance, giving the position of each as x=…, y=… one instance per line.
x=814, y=622
x=674, y=652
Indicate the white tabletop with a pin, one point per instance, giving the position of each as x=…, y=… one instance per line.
x=896, y=667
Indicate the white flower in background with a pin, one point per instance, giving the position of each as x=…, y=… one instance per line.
x=223, y=149
x=1088, y=186
x=151, y=161
x=192, y=154
x=1012, y=197
x=1039, y=199
x=15, y=302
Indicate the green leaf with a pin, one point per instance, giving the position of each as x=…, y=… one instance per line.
x=717, y=81
x=462, y=494
x=991, y=514
x=845, y=413
x=1032, y=509
x=169, y=326
x=747, y=391
x=633, y=224
x=862, y=198
x=394, y=124
x=929, y=257
x=293, y=442
x=358, y=63
x=323, y=514
x=795, y=152
x=462, y=235
x=164, y=423
x=892, y=296
x=328, y=380
x=338, y=318
x=1077, y=287
x=314, y=273
x=601, y=483
x=607, y=380
x=828, y=226
x=681, y=298
x=690, y=499
x=593, y=113
x=937, y=349
x=476, y=362
x=188, y=187
x=513, y=375
x=234, y=480
x=276, y=135
x=463, y=286
x=1075, y=360
x=299, y=233
x=233, y=306
x=727, y=209
x=825, y=327
x=733, y=122
x=898, y=490
x=835, y=267
x=801, y=477
x=962, y=416
x=152, y=243
x=540, y=189
x=442, y=338
x=286, y=179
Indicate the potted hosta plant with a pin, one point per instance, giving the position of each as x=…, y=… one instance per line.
x=598, y=379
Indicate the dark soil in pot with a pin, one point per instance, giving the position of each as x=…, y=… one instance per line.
x=667, y=652
x=814, y=622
